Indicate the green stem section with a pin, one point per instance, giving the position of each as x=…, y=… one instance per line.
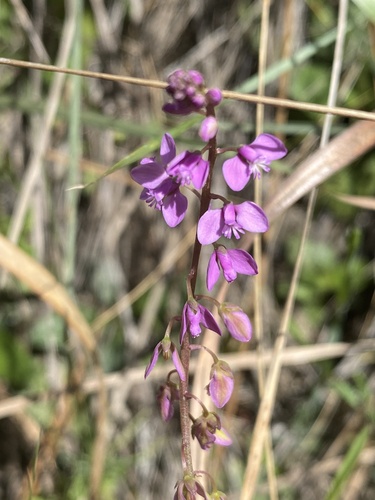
x=185, y=347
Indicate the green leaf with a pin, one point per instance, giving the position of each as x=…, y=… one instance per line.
x=348, y=464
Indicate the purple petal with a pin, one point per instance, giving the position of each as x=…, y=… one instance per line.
x=222, y=437
x=213, y=272
x=226, y=264
x=167, y=149
x=221, y=386
x=210, y=226
x=243, y=262
x=174, y=208
x=153, y=359
x=177, y=363
x=200, y=173
x=236, y=173
x=269, y=146
x=238, y=324
x=183, y=324
x=251, y=217
x=149, y=175
x=208, y=320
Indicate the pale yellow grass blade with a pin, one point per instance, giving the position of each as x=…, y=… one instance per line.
x=44, y=284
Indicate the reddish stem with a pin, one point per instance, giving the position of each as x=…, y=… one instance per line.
x=192, y=278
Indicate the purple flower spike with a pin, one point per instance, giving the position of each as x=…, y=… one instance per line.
x=231, y=219
x=187, y=91
x=221, y=383
x=168, y=349
x=193, y=316
x=208, y=128
x=189, y=168
x=231, y=262
x=251, y=159
x=237, y=322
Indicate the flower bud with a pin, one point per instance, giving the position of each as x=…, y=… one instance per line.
x=214, y=96
x=208, y=128
x=236, y=321
x=167, y=394
x=221, y=384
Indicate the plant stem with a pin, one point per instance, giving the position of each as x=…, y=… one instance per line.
x=192, y=279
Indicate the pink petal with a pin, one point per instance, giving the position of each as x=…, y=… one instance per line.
x=174, y=208
x=178, y=364
x=208, y=320
x=236, y=173
x=213, y=272
x=243, y=262
x=183, y=324
x=153, y=359
x=251, y=217
x=269, y=146
x=200, y=173
x=167, y=149
x=149, y=175
x=210, y=226
x=222, y=437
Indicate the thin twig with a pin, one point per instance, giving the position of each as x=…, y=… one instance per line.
x=227, y=94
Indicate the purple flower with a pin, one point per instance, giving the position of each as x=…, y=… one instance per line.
x=208, y=128
x=231, y=262
x=204, y=429
x=236, y=321
x=168, y=349
x=208, y=431
x=189, y=168
x=231, y=219
x=160, y=190
x=221, y=383
x=193, y=316
x=250, y=159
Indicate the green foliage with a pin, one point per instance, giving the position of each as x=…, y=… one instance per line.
x=17, y=366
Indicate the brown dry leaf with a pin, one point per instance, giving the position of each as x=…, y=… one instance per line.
x=44, y=284
x=365, y=202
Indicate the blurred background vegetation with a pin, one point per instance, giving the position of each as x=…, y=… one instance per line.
x=101, y=242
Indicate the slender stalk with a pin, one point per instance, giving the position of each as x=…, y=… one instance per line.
x=192, y=279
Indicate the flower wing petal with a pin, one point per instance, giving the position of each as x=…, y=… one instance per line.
x=251, y=217
x=243, y=262
x=208, y=320
x=236, y=173
x=210, y=226
x=213, y=272
x=174, y=208
x=149, y=175
x=167, y=149
x=269, y=146
x=178, y=363
x=153, y=359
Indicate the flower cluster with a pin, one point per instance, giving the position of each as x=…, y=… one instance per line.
x=162, y=181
